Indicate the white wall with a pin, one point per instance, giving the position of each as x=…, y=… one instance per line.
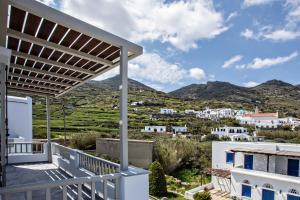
x=259, y=175
x=20, y=117
x=258, y=179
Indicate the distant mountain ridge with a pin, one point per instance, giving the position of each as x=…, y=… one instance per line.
x=229, y=92
x=114, y=82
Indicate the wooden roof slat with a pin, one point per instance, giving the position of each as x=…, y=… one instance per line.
x=22, y=67
x=30, y=91
x=50, y=62
x=36, y=85
x=40, y=79
x=51, y=45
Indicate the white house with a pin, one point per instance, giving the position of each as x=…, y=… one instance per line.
x=167, y=111
x=165, y=129
x=137, y=103
x=19, y=118
x=260, y=120
x=217, y=113
x=247, y=170
x=155, y=129
x=235, y=133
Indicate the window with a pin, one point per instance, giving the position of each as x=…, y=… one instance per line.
x=246, y=191
x=229, y=157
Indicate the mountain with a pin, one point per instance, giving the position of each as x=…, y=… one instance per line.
x=270, y=96
x=215, y=91
x=114, y=82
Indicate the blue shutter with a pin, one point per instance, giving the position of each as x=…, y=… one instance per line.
x=292, y=197
x=229, y=157
x=246, y=191
x=293, y=167
x=267, y=194
x=248, y=162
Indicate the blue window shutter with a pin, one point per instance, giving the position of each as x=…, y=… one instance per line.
x=293, y=167
x=246, y=191
x=292, y=197
x=229, y=157
x=248, y=162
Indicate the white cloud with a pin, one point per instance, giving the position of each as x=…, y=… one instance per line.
x=152, y=69
x=231, y=16
x=259, y=63
x=251, y=84
x=282, y=35
x=232, y=61
x=248, y=3
x=197, y=73
x=248, y=34
x=180, y=23
x=268, y=33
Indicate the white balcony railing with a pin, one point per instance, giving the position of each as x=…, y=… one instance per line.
x=69, y=187
x=25, y=147
x=94, y=177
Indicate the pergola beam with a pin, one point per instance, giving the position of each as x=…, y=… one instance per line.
x=40, y=79
x=27, y=92
x=75, y=24
x=51, y=62
x=57, y=47
x=22, y=67
x=32, y=90
x=36, y=85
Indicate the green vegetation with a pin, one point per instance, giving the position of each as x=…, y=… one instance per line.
x=202, y=196
x=157, y=180
x=281, y=135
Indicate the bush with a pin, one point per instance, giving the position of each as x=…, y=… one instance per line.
x=157, y=180
x=202, y=196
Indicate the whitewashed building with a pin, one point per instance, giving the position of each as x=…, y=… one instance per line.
x=261, y=120
x=167, y=111
x=266, y=171
x=19, y=119
x=235, y=133
x=165, y=129
x=218, y=113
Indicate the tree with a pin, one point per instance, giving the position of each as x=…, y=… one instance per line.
x=202, y=196
x=157, y=180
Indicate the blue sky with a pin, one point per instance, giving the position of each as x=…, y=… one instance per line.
x=245, y=42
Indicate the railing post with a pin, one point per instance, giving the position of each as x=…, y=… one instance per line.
x=48, y=129
x=77, y=159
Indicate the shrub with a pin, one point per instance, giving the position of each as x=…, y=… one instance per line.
x=202, y=196
x=157, y=180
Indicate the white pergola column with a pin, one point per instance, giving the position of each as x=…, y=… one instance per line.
x=48, y=129
x=4, y=64
x=124, y=109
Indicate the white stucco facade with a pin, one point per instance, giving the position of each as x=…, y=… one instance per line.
x=167, y=111
x=235, y=133
x=20, y=118
x=267, y=170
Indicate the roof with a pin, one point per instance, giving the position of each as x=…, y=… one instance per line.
x=267, y=152
x=261, y=115
x=223, y=173
x=53, y=52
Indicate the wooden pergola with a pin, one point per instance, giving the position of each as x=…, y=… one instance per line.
x=48, y=53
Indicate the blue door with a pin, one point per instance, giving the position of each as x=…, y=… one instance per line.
x=292, y=197
x=293, y=167
x=248, y=162
x=267, y=194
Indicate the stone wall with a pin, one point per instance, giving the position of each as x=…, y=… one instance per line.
x=140, y=152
